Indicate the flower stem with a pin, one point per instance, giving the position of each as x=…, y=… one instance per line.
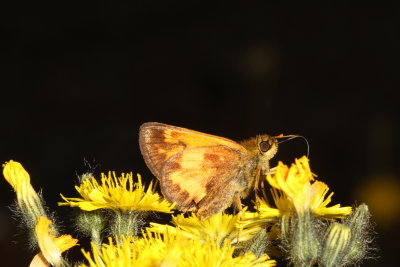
x=126, y=223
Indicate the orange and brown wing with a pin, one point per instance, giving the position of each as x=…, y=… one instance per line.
x=196, y=172
x=159, y=142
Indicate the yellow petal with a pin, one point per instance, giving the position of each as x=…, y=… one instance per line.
x=39, y=261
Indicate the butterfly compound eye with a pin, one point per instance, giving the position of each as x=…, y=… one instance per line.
x=264, y=146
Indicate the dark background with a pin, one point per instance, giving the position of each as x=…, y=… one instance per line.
x=77, y=81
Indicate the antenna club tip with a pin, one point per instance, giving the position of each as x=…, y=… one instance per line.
x=286, y=136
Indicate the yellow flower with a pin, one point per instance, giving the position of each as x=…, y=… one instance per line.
x=219, y=227
x=117, y=193
x=169, y=250
x=294, y=182
x=296, y=190
x=28, y=200
x=50, y=246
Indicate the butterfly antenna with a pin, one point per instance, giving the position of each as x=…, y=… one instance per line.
x=290, y=137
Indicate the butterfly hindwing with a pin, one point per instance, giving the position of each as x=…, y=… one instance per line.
x=194, y=173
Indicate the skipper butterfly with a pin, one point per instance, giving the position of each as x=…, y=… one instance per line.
x=201, y=172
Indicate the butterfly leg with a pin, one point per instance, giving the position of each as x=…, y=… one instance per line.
x=272, y=170
x=237, y=203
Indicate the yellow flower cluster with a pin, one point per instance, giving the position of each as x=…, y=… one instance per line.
x=170, y=250
x=217, y=241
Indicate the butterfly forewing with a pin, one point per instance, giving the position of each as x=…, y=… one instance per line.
x=159, y=142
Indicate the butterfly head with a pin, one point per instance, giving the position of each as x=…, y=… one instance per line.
x=267, y=148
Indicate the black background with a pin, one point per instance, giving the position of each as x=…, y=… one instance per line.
x=77, y=81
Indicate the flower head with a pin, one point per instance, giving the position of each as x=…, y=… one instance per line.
x=294, y=182
x=16, y=175
x=20, y=180
x=117, y=193
x=51, y=247
x=219, y=227
x=296, y=189
x=28, y=200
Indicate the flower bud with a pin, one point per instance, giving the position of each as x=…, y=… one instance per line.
x=336, y=245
